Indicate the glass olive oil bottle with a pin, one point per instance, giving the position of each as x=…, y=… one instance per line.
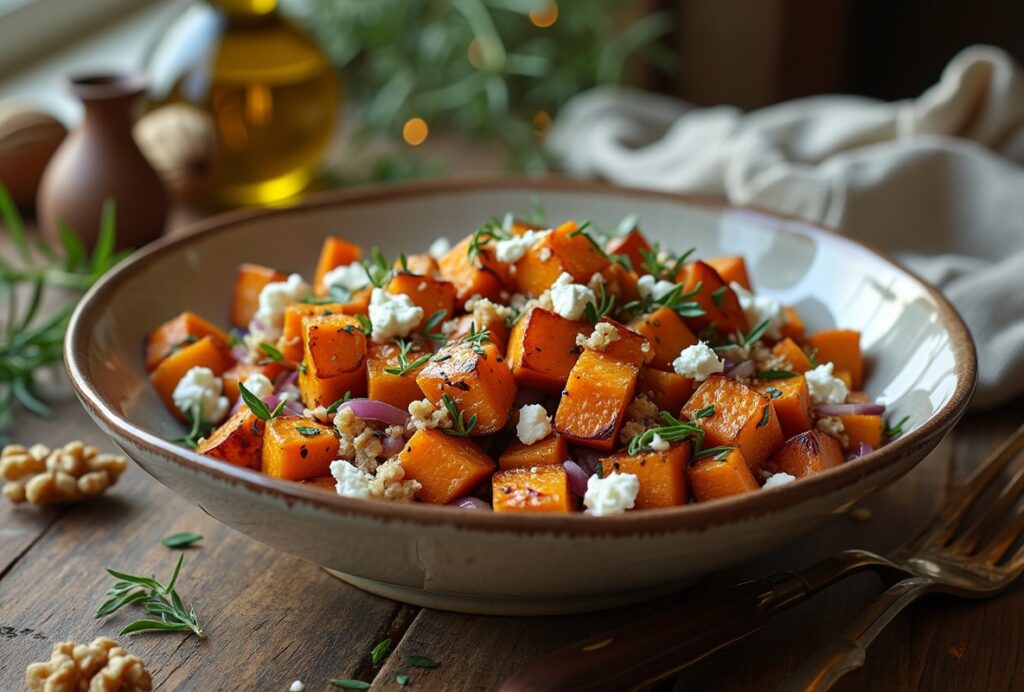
x=270, y=93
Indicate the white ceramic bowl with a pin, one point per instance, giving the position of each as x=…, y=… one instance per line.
x=920, y=357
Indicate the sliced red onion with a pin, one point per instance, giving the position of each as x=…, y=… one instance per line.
x=849, y=409
x=729, y=363
x=393, y=445
x=286, y=378
x=577, y=478
x=742, y=370
x=586, y=459
x=239, y=352
x=468, y=502
x=861, y=449
x=368, y=409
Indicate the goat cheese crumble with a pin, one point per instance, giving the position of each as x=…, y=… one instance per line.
x=760, y=308
x=259, y=384
x=698, y=362
x=201, y=390
x=351, y=277
x=392, y=315
x=569, y=299
x=659, y=444
x=513, y=249
x=440, y=247
x=650, y=287
x=777, y=479
x=824, y=387
x=351, y=482
x=613, y=494
x=534, y=424
x=268, y=320
x=603, y=336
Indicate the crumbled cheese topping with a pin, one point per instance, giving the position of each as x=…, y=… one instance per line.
x=486, y=311
x=824, y=387
x=648, y=286
x=760, y=308
x=658, y=444
x=698, y=362
x=545, y=254
x=777, y=479
x=603, y=336
x=569, y=299
x=268, y=320
x=319, y=414
x=534, y=424
x=351, y=277
x=259, y=384
x=424, y=416
x=613, y=494
x=201, y=389
x=440, y=247
x=392, y=315
x=358, y=443
x=833, y=426
x=389, y=483
x=351, y=482
x=297, y=686
x=513, y=249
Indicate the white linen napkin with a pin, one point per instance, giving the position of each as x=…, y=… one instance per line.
x=936, y=180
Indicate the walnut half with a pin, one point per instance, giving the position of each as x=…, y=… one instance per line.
x=103, y=666
x=71, y=473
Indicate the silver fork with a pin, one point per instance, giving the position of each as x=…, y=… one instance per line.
x=972, y=565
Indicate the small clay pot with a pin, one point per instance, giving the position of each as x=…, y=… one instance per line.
x=99, y=161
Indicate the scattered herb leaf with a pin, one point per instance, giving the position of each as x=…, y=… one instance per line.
x=421, y=662
x=775, y=375
x=272, y=353
x=306, y=431
x=402, y=679
x=460, y=427
x=404, y=364
x=181, y=540
x=334, y=407
x=155, y=598
x=257, y=406
x=673, y=431
x=380, y=652
x=895, y=430
x=766, y=416
x=347, y=684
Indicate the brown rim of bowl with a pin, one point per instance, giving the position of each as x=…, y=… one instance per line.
x=690, y=517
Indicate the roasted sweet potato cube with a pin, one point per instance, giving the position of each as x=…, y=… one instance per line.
x=731, y=269
x=553, y=449
x=479, y=383
x=532, y=489
x=187, y=328
x=662, y=475
x=808, y=453
x=334, y=253
x=668, y=390
x=333, y=345
x=497, y=330
x=248, y=286
x=422, y=264
x=562, y=250
x=743, y=418
x=667, y=334
x=475, y=271
x=793, y=327
x=791, y=351
x=238, y=441
x=324, y=391
x=863, y=428
x=632, y=245
x=447, y=467
x=720, y=476
x=209, y=352
x=630, y=346
x=620, y=282
x=792, y=404
x=542, y=349
x=431, y=294
x=595, y=398
x=327, y=483
x=719, y=302
x=842, y=348
x=243, y=369
x=290, y=343
x=298, y=449
x=397, y=390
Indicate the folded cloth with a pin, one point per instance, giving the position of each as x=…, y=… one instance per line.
x=935, y=180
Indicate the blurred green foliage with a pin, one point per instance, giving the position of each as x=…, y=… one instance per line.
x=486, y=68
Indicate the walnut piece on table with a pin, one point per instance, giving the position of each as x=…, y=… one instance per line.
x=70, y=473
x=103, y=666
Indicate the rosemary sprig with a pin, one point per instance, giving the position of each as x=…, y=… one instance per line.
x=181, y=540
x=430, y=327
x=493, y=230
x=775, y=375
x=365, y=325
x=717, y=453
x=198, y=429
x=155, y=598
x=460, y=426
x=895, y=431
x=271, y=353
x=257, y=406
x=582, y=230
x=476, y=339
x=673, y=431
x=675, y=300
x=605, y=306
x=337, y=404
x=745, y=341
x=404, y=364
x=378, y=269
x=663, y=267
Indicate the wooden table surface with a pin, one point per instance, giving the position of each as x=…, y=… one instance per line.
x=271, y=618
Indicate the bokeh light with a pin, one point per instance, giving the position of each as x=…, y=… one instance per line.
x=415, y=131
x=546, y=16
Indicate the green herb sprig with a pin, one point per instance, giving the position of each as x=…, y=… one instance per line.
x=198, y=429
x=460, y=426
x=593, y=312
x=894, y=431
x=181, y=540
x=663, y=267
x=404, y=364
x=673, y=431
x=257, y=406
x=378, y=269
x=155, y=598
x=380, y=652
x=337, y=404
x=476, y=339
x=430, y=327
x=745, y=341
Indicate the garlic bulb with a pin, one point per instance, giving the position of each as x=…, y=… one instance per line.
x=180, y=143
x=28, y=138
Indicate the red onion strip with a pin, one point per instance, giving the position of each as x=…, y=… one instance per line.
x=577, y=478
x=742, y=370
x=862, y=449
x=849, y=409
x=468, y=502
x=368, y=409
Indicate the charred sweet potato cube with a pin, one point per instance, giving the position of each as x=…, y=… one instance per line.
x=248, y=286
x=793, y=327
x=565, y=249
x=324, y=391
x=620, y=282
x=209, y=352
x=595, y=398
x=542, y=349
x=553, y=449
x=791, y=351
x=668, y=390
x=397, y=390
x=632, y=245
x=477, y=379
x=720, y=476
x=298, y=449
x=532, y=489
x=334, y=253
x=242, y=369
x=662, y=475
x=497, y=330
x=731, y=269
x=719, y=302
x=842, y=348
x=290, y=343
x=238, y=441
x=187, y=328
x=808, y=453
x=447, y=467
x=333, y=345
x=792, y=404
x=864, y=428
x=475, y=270
x=667, y=334
x=743, y=418
x=427, y=292
x=630, y=346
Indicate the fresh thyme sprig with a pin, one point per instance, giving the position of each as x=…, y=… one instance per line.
x=745, y=341
x=378, y=269
x=155, y=598
x=460, y=426
x=675, y=300
x=404, y=364
x=673, y=431
x=257, y=406
x=605, y=306
x=666, y=267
